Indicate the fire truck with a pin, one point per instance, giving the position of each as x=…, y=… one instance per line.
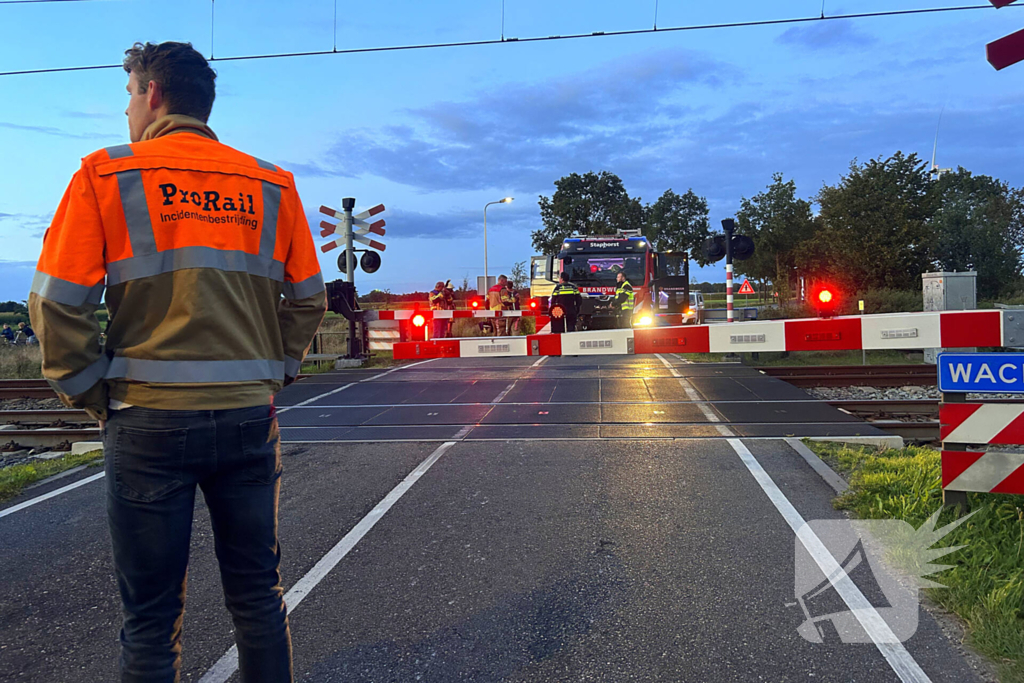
x=660, y=280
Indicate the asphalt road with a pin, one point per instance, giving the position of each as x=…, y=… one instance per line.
x=571, y=519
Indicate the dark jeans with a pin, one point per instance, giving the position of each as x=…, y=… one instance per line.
x=566, y=323
x=154, y=460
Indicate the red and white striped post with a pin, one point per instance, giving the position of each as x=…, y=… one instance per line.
x=729, y=225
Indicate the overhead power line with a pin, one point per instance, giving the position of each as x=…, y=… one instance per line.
x=32, y=2
x=537, y=39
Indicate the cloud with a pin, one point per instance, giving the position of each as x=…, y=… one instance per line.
x=34, y=224
x=58, y=132
x=826, y=35
x=403, y=223
x=513, y=137
x=633, y=119
x=71, y=114
x=315, y=170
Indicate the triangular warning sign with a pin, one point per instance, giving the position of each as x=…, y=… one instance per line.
x=746, y=288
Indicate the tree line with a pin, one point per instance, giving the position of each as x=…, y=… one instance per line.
x=880, y=226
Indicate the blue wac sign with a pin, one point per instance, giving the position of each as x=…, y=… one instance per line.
x=982, y=372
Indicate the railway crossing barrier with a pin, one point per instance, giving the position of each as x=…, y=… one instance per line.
x=975, y=434
x=898, y=331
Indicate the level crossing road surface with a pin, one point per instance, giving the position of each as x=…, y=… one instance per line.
x=592, y=518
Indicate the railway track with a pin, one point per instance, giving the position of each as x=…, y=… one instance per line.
x=12, y=440
x=855, y=375
x=25, y=388
x=35, y=388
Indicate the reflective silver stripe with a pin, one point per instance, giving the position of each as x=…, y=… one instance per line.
x=292, y=366
x=195, y=371
x=265, y=164
x=84, y=380
x=308, y=287
x=119, y=151
x=64, y=292
x=136, y=212
x=193, y=257
x=271, y=205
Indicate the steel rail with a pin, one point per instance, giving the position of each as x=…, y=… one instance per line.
x=55, y=439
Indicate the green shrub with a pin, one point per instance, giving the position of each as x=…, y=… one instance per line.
x=786, y=311
x=13, y=319
x=887, y=301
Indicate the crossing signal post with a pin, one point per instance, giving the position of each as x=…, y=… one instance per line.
x=352, y=228
x=731, y=247
x=1008, y=50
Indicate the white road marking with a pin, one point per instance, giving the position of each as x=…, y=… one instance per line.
x=96, y=477
x=901, y=661
x=228, y=663
x=497, y=399
x=461, y=434
x=315, y=398
x=351, y=384
x=691, y=393
x=46, y=496
x=540, y=360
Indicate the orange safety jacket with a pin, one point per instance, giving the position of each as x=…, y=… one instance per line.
x=211, y=278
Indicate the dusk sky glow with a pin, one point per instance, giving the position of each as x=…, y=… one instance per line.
x=436, y=134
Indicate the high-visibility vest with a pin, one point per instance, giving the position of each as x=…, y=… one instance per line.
x=625, y=288
x=195, y=244
x=437, y=300
x=565, y=288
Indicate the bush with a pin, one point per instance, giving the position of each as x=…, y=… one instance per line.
x=13, y=319
x=887, y=301
x=786, y=311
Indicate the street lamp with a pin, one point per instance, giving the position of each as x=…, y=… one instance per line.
x=506, y=200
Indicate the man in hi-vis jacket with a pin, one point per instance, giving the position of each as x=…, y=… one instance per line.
x=214, y=293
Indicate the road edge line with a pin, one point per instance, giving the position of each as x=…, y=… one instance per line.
x=896, y=655
x=52, y=494
x=830, y=476
x=226, y=666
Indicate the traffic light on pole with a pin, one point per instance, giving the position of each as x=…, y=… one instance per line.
x=825, y=300
x=418, y=329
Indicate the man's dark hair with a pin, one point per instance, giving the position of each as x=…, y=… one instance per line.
x=564, y=277
x=184, y=75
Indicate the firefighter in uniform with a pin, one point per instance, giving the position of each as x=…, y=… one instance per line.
x=623, y=301
x=442, y=298
x=497, y=298
x=214, y=294
x=565, y=296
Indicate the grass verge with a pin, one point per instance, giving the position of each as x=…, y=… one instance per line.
x=377, y=359
x=21, y=362
x=15, y=478
x=985, y=586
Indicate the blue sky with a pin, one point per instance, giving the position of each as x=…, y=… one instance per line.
x=436, y=134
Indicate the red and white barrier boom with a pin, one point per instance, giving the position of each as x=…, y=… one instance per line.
x=953, y=329
x=973, y=432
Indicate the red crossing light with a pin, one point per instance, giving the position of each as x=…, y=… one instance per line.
x=475, y=303
x=533, y=304
x=418, y=320
x=825, y=300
